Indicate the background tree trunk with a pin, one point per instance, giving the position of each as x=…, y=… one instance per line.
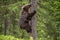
x=8, y=31
x=5, y=26
x=5, y=23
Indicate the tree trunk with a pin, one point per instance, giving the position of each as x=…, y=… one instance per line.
x=6, y=23
x=34, y=19
x=8, y=28
x=5, y=26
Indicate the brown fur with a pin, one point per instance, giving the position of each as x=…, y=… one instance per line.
x=25, y=18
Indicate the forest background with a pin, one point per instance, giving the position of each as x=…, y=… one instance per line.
x=48, y=22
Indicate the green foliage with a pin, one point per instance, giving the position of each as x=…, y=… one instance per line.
x=9, y=37
x=48, y=22
x=2, y=37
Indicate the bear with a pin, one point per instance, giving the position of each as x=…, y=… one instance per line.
x=25, y=18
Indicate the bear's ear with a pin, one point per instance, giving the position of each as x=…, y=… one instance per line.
x=26, y=6
x=29, y=5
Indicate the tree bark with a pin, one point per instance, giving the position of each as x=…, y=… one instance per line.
x=5, y=26
x=6, y=22
x=34, y=19
x=8, y=31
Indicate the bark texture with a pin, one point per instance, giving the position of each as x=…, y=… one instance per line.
x=34, y=19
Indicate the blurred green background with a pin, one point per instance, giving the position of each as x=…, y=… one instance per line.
x=48, y=22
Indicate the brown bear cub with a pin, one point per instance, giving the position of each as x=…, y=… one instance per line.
x=25, y=18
